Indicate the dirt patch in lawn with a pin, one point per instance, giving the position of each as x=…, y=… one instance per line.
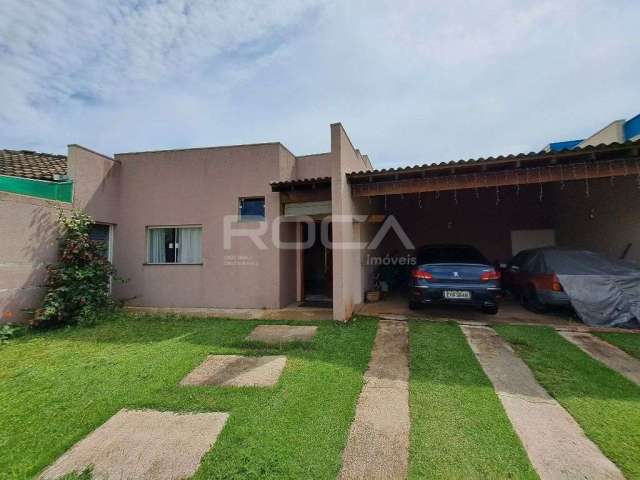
x=275, y=334
x=237, y=371
x=143, y=444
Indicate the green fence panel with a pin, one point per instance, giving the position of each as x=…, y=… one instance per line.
x=60, y=191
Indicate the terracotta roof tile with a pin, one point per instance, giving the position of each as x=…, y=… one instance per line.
x=28, y=164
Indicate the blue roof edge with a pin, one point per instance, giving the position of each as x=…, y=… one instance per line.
x=564, y=145
x=632, y=127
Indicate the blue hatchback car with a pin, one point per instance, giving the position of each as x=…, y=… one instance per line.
x=457, y=274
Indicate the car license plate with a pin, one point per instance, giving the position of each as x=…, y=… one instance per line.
x=457, y=294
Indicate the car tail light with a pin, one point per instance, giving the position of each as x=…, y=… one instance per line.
x=421, y=274
x=490, y=275
x=555, y=284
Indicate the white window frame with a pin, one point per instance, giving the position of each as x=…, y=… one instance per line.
x=164, y=227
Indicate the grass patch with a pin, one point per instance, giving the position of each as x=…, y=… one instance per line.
x=603, y=402
x=57, y=387
x=629, y=342
x=459, y=429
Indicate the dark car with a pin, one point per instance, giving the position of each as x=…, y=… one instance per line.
x=533, y=282
x=457, y=274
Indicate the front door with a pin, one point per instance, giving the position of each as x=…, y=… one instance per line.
x=328, y=268
x=317, y=270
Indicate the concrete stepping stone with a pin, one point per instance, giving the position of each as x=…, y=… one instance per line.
x=143, y=444
x=237, y=371
x=275, y=334
x=555, y=443
x=378, y=444
x=393, y=316
x=604, y=352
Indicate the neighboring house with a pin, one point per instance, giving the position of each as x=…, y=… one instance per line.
x=618, y=131
x=164, y=213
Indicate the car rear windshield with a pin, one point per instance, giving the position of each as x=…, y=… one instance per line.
x=450, y=255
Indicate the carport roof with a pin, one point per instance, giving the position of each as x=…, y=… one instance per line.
x=509, y=161
x=612, y=160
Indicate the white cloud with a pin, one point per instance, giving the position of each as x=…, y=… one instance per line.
x=413, y=82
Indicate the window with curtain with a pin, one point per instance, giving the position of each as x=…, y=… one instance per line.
x=175, y=245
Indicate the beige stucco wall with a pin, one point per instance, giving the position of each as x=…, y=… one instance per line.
x=96, y=183
x=348, y=278
x=605, y=221
x=29, y=242
x=200, y=187
x=314, y=166
x=287, y=259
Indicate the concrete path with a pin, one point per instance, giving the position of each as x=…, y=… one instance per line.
x=237, y=371
x=143, y=444
x=606, y=353
x=378, y=444
x=275, y=334
x=555, y=443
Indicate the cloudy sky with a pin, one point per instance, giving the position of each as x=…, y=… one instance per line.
x=412, y=82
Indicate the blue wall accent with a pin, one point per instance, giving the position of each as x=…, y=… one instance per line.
x=632, y=127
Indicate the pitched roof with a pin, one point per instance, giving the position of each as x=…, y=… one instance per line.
x=28, y=164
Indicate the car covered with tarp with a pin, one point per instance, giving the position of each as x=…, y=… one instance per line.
x=604, y=292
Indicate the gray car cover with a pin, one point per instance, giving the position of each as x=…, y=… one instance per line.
x=603, y=291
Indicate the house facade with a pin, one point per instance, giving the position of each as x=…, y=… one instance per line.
x=255, y=226
x=165, y=216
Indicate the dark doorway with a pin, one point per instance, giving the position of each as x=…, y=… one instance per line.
x=317, y=270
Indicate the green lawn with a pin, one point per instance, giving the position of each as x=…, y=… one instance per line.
x=604, y=403
x=459, y=429
x=57, y=387
x=629, y=342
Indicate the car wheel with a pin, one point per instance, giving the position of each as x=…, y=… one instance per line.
x=531, y=302
x=414, y=305
x=490, y=310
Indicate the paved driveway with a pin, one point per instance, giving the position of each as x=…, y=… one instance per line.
x=510, y=312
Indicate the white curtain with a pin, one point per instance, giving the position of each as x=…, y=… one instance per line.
x=190, y=245
x=157, y=245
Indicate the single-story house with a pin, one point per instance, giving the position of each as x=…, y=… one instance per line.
x=242, y=226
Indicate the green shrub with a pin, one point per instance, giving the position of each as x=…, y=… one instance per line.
x=9, y=331
x=78, y=285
